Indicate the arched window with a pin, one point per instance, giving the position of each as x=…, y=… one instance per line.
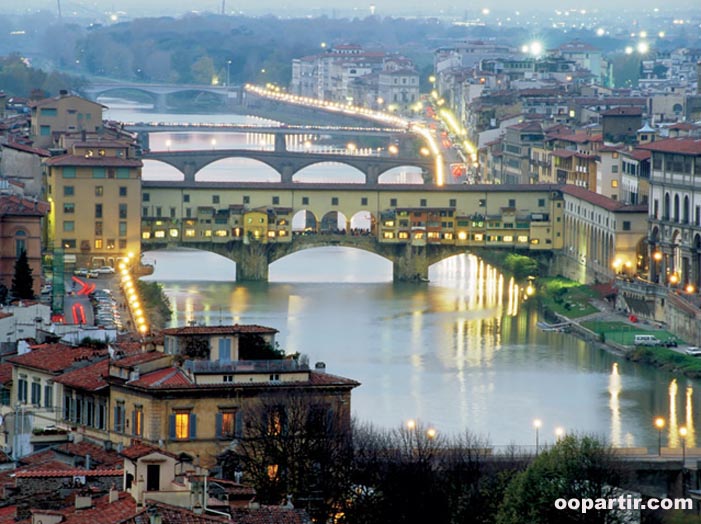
x=665, y=209
x=676, y=208
x=685, y=211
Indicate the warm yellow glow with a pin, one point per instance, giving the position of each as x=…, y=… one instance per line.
x=462, y=235
x=559, y=432
x=425, y=151
x=537, y=423
x=530, y=290
x=393, y=149
x=673, y=278
x=431, y=433
x=643, y=47
x=657, y=256
x=411, y=424
x=690, y=288
x=659, y=422
x=683, y=431
x=143, y=329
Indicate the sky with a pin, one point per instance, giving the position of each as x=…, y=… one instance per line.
x=337, y=7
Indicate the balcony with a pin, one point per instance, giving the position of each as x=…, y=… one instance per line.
x=245, y=366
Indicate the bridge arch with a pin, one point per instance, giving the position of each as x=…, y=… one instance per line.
x=328, y=257
x=161, y=170
x=237, y=169
x=406, y=174
x=305, y=220
x=312, y=173
x=119, y=92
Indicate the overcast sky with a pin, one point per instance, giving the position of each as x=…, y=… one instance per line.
x=342, y=7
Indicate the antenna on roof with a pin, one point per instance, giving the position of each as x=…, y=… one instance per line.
x=58, y=2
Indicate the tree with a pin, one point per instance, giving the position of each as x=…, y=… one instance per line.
x=22, y=281
x=575, y=468
x=297, y=445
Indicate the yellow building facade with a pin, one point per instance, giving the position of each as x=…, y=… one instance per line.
x=65, y=113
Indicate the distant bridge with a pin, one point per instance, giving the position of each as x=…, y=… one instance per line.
x=287, y=163
x=166, y=127
x=159, y=92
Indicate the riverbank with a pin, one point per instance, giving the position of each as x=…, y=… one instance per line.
x=593, y=319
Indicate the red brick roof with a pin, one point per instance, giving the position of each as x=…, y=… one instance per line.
x=268, y=515
x=579, y=137
x=95, y=161
x=13, y=205
x=72, y=472
x=163, y=378
x=236, y=329
x=175, y=515
x=54, y=358
x=27, y=149
x=139, y=358
x=140, y=449
x=682, y=146
x=601, y=200
x=98, y=454
x=102, y=511
x=5, y=373
x=88, y=378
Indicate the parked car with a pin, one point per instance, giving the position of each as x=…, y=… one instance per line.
x=694, y=351
x=46, y=289
x=105, y=270
x=81, y=272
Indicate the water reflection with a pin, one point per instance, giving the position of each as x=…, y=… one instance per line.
x=446, y=352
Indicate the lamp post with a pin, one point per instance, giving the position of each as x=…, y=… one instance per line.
x=682, y=434
x=559, y=432
x=659, y=424
x=537, y=423
x=228, y=73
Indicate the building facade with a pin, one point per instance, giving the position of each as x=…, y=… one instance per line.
x=65, y=113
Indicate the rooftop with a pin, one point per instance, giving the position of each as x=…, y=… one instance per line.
x=682, y=146
x=87, y=378
x=54, y=358
x=14, y=205
x=93, y=161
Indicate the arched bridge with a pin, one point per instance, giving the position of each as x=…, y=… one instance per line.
x=287, y=163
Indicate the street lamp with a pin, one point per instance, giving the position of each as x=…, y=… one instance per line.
x=559, y=432
x=659, y=424
x=682, y=434
x=228, y=73
x=537, y=423
x=431, y=433
x=411, y=424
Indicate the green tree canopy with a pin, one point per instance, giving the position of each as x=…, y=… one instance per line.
x=22, y=281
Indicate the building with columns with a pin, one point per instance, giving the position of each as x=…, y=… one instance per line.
x=674, y=236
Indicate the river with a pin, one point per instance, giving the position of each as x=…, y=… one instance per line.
x=460, y=353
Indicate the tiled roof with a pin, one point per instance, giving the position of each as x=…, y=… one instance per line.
x=268, y=515
x=54, y=358
x=219, y=330
x=88, y=378
x=72, y=472
x=638, y=154
x=52, y=100
x=140, y=449
x=101, y=512
x=174, y=515
x=601, y=200
x=138, y=358
x=27, y=149
x=13, y=205
x=683, y=146
x=98, y=161
x=579, y=138
x=327, y=379
x=98, y=454
x=568, y=153
x=163, y=378
x=5, y=372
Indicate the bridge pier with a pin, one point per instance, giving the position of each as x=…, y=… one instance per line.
x=410, y=263
x=372, y=175
x=252, y=262
x=280, y=143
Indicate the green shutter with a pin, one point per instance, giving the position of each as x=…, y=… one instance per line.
x=98, y=172
x=218, y=424
x=193, y=426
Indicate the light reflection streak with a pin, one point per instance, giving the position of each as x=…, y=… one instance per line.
x=614, y=405
x=673, y=435
x=689, y=416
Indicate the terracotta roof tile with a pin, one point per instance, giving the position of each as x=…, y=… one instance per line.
x=174, y=515
x=601, y=200
x=98, y=454
x=72, y=472
x=268, y=515
x=163, y=378
x=683, y=146
x=55, y=358
x=27, y=149
x=102, y=511
x=13, y=205
x=5, y=372
x=88, y=378
x=623, y=111
x=219, y=330
x=140, y=449
x=139, y=358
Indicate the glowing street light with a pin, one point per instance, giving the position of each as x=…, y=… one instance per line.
x=537, y=423
x=431, y=433
x=411, y=424
x=559, y=432
x=659, y=424
x=643, y=47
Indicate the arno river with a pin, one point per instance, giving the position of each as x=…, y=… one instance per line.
x=461, y=352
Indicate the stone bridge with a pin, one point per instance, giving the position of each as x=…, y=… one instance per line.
x=159, y=92
x=409, y=263
x=287, y=163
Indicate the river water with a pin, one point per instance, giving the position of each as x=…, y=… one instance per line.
x=460, y=353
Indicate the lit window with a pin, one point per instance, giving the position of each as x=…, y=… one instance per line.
x=462, y=235
x=173, y=232
x=448, y=236
x=221, y=232
x=388, y=234
x=389, y=223
x=146, y=235
x=403, y=235
x=522, y=238
x=182, y=424
x=434, y=234
x=479, y=237
x=98, y=243
x=271, y=234
x=282, y=233
x=159, y=234
x=614, y=183
x=189, y=233
x=208, y=232
x=272, y=471
x=535, y=241
x=508, y=238
x=419, y=235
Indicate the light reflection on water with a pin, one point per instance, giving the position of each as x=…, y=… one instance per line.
x=461, y=352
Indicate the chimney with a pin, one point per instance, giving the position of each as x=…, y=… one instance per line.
x=113, y=495
x=63, y=92
x=83, y=502
x=88, y=461
x=320, y=367
x=108, y=445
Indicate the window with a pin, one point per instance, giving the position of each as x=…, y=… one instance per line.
x=68, y=226
x=393, y=202
x=186, y=198
x=98, y=210
x=49, y=111
x=122, y=211
x=36, y=392
x=512, y=202
x=215, y=199
x=45, y=130
x=626, y=225
x=98, y=229
x=364, y=201
x=225, y=349
x=172, y=212
x=246, y=199
x=98, y=243
x=68, y=208
x=68, y=191
x=159, y=211
x=122, y=229
x=68, y=407
x=68, y=243
x=137, y=421
x=334, y=201
x=122, y=191
x=614, y=183
x=482, y=202
x=48, y=396
x=119, y=416
x=99, y=191
x=122, y=172
x=453, y=202
x=183, y=425
x=146, y=197
x=541, y=202
x=98, y=172
x=101, y=416
x=69, y=172
x=20, y=242
x=276, y=200
x=22, y=389
x=305, y=201
x=229, y=424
